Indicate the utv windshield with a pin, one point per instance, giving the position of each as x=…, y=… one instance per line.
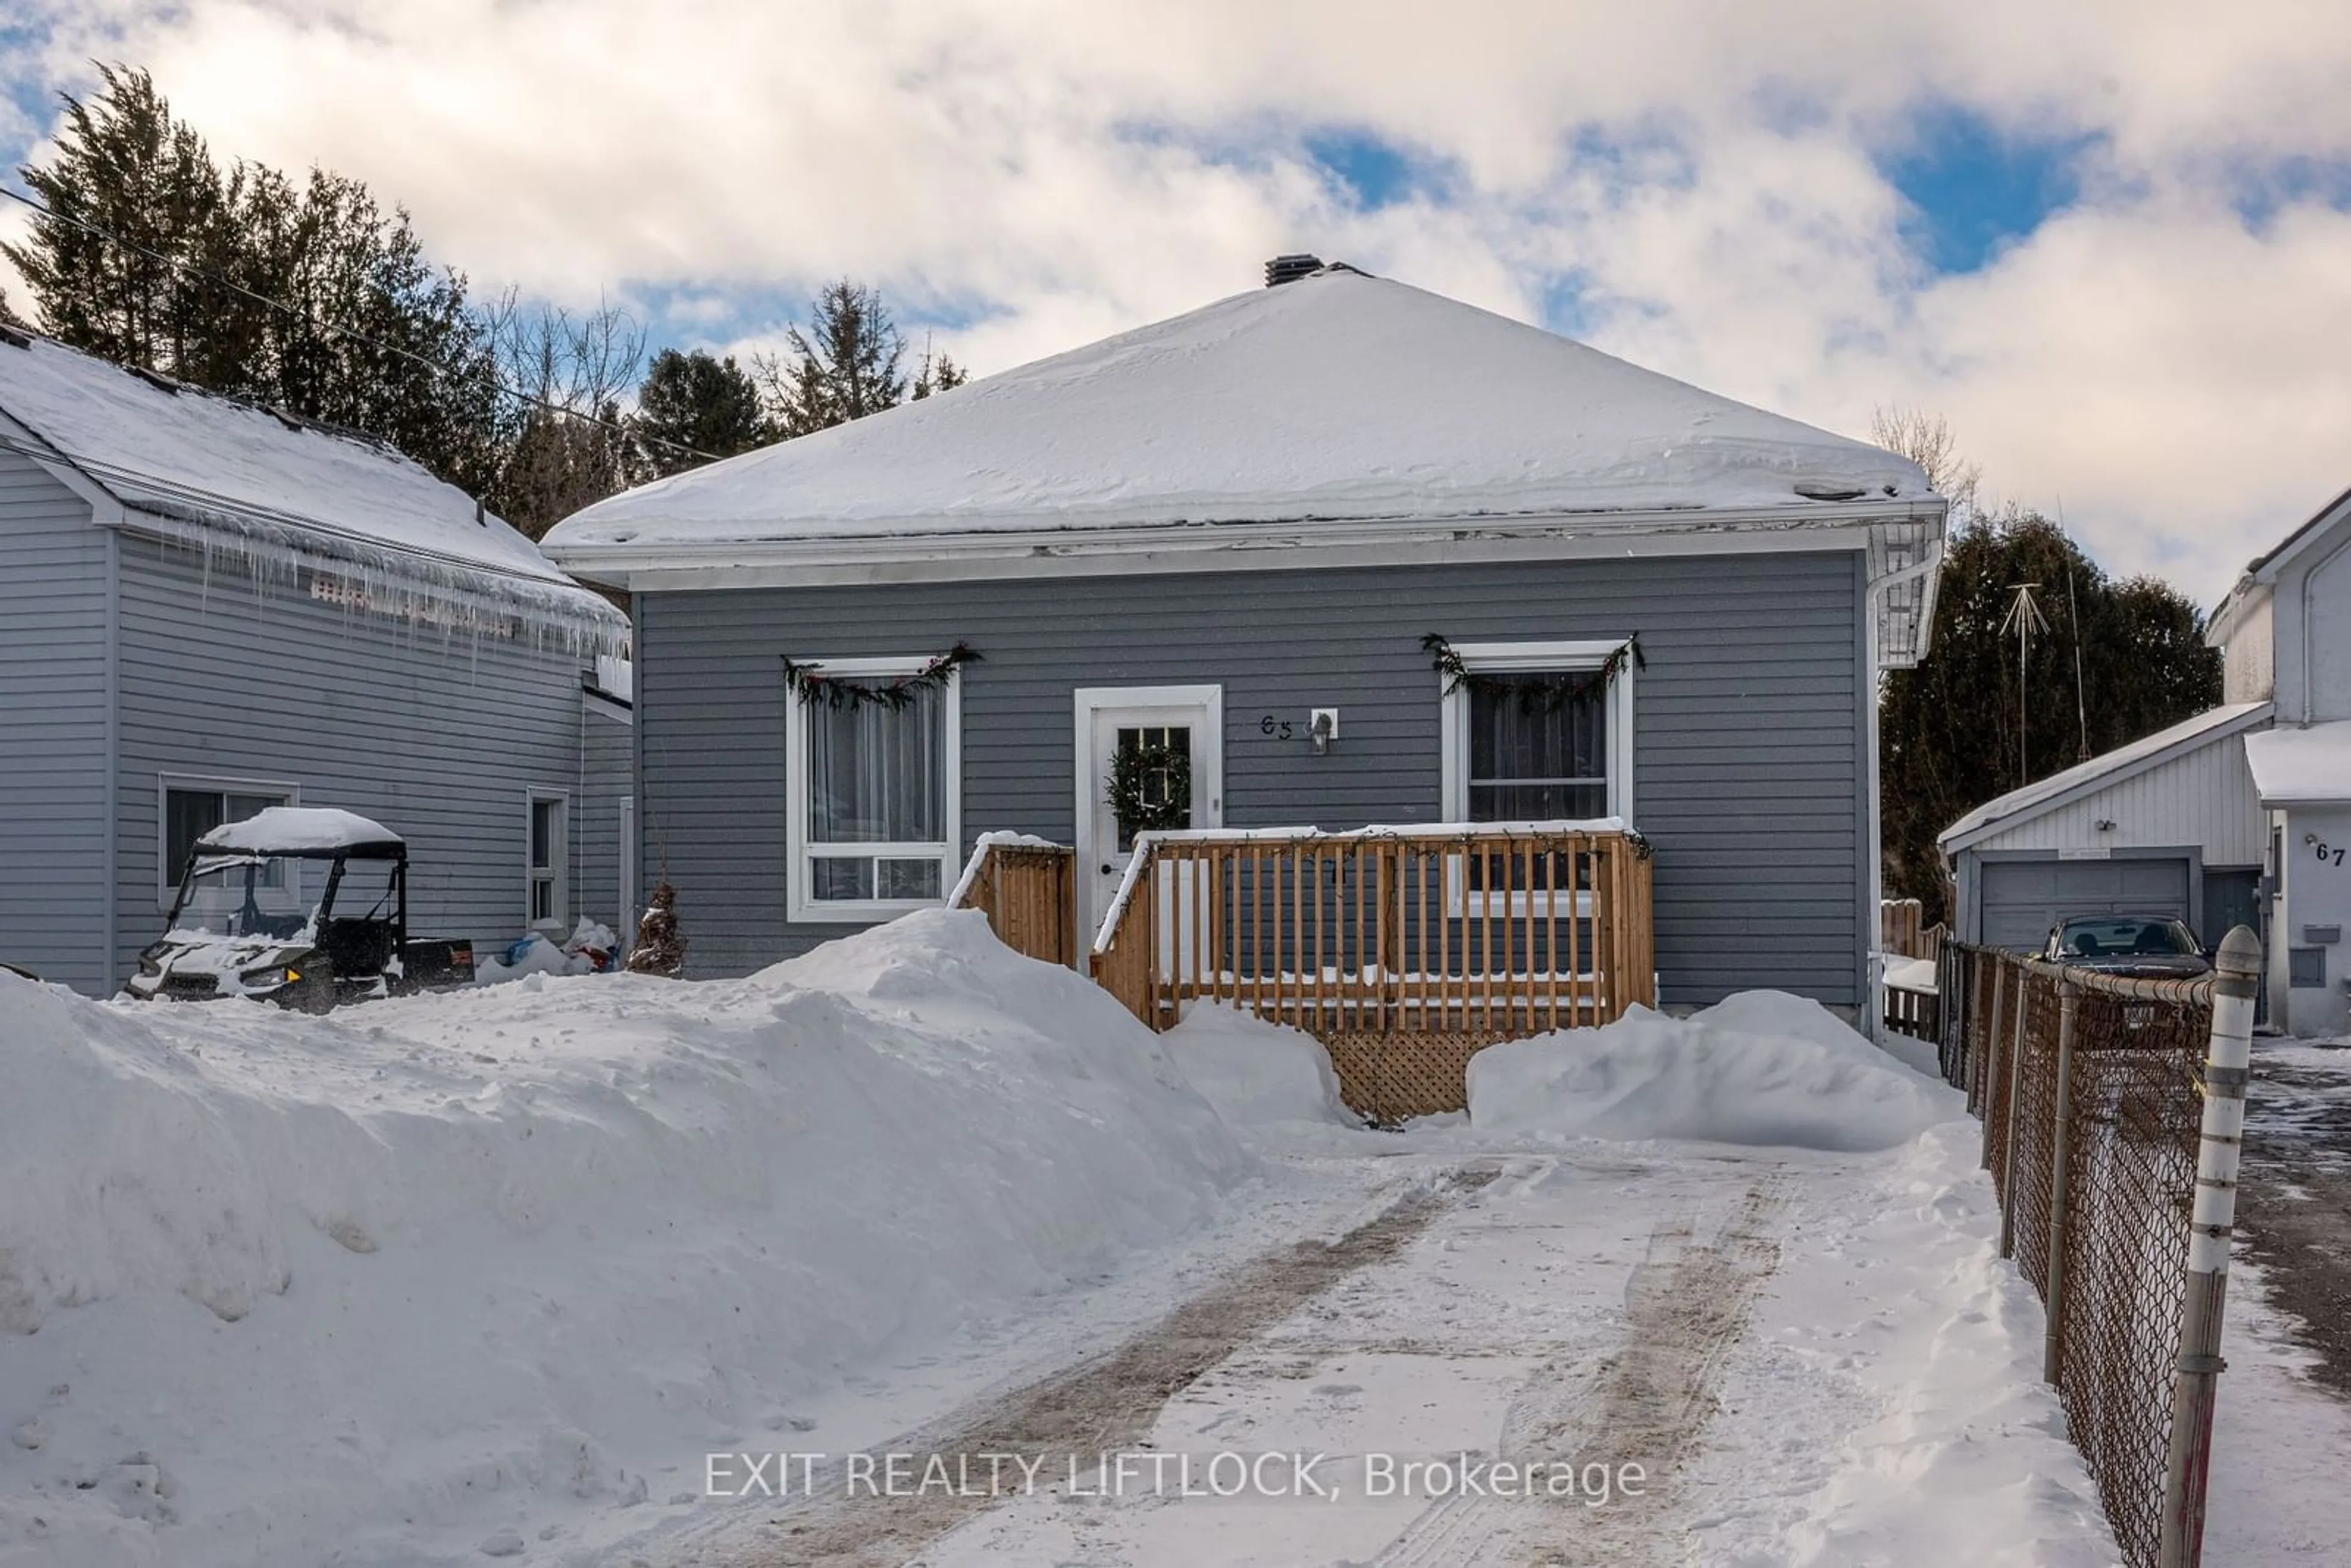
x=242, y=895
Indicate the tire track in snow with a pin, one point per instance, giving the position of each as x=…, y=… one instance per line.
x=1108, y=1402
x=1687, y=1304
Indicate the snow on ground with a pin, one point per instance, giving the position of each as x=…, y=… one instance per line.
x=1763, y=1067
x=491, y=1275
x=2280, y=1443
x=383, y=1286
x=1258, y=1074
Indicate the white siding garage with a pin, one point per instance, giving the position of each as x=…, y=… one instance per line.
x=2169, y=824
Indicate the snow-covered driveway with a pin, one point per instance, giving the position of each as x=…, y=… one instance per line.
x=1644, y=1356
x=617, y=1272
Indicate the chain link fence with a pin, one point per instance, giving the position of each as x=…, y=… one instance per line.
x=2090, y=1087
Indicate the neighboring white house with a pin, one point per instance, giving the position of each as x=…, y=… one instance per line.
x=2286, y=632
x=2239, y=815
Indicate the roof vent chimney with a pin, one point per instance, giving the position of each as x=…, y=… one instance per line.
x=1284, y=269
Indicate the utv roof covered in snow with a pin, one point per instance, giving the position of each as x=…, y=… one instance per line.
x=306, y=831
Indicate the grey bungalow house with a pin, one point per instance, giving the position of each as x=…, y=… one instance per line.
x=206, y=607
x=1256, y=537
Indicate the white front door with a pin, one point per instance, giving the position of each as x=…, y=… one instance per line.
x=1187, y=722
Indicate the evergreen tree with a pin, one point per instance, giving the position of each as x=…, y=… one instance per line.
x=1949, y=730
x=125, y=168
x=696, y=402
x=153, y=257
x=938, y=374
x=846, y=366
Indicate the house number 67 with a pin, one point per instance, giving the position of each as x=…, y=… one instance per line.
x=2329, y=855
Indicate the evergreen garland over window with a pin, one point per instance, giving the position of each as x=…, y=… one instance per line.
x=1536, y=693
x=813, y=686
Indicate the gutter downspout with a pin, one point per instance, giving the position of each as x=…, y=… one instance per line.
x=1873, y=597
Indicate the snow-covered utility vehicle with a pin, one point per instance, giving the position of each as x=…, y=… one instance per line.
x=298, y=905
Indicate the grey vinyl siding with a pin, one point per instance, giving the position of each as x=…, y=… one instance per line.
x=606, y=770
x=53, y=740
x=1750, y=720
x=439, y=735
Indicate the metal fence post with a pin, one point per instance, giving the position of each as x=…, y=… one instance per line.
x=2189, y=1464
x=2015, y=1066
x=2053, y=1342
x=1990, y=1054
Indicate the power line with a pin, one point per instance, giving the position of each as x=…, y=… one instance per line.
x=491, y=382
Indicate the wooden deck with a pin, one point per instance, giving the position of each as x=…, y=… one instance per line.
x=1403, y=950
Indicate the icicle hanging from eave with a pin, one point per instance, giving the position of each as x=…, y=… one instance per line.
x=395, y=584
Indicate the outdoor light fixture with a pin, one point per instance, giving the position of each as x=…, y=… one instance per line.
x=1322, y=727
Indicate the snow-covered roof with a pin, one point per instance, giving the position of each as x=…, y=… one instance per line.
x=176, y=452
x=2250, y=586
x=2214, y=724
x=1339, y=396
x=2307, y=767
x=299, y=829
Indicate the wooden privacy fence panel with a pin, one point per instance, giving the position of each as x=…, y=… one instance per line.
x=1026, y=887
x=1903, y=929
x=1404, y=951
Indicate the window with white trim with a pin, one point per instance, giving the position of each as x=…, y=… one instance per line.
x=874, y=794
x=195, y=807
x=1538, y=734
x=547, y=889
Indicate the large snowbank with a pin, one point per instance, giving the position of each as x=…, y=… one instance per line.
x=1257, y=1073
x=383, y=1286
x=1760, y=1068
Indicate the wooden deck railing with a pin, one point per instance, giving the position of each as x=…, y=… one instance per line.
x=1025, y=886
x=1454, y=936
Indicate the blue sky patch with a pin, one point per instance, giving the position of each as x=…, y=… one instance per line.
x=1374, y=174
x=1975, y=188
x=2259, y=193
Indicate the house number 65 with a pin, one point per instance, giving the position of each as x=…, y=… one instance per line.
x=1278, y=728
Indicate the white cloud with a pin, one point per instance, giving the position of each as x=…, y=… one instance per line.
x=2146, y=355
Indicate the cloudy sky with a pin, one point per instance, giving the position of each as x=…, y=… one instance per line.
x=2109, y=239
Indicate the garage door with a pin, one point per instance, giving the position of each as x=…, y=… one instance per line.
x=2023, y=899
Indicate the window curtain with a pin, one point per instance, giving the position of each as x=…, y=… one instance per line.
x=876, y=774
x=1534, y=757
